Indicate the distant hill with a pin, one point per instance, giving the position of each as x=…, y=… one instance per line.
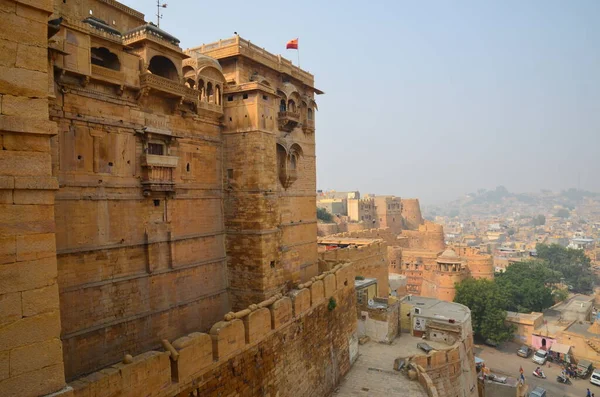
x=501, y=200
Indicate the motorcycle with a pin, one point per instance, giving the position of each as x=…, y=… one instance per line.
x=563, y=379
x=540, y=374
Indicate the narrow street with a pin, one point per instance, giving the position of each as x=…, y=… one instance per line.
x=505, y=360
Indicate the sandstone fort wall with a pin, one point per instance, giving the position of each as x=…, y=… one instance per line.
x=263, y=350
x=31, y=357
x=369, y=261
x=411, y=213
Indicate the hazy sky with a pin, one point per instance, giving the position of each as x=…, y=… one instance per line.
x=432, y=99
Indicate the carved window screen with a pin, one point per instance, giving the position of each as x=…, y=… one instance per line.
x=156, y=148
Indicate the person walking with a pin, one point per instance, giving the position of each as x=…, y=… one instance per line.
x=589, y=393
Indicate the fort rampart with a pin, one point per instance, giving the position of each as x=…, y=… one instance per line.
x=293, y=345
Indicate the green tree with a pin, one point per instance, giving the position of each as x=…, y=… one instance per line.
x=572, y=264
x=562, y=213
x=560, y=295
x=525, y=284
x=487, y=303
x=538, y=220
x=324, y=215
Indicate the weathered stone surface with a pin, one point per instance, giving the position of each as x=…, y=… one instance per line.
x=10, y=308
x=300, y=301
x=28, y=275
x=41, y=382
x=23, y=82
x=25, y=219
x=317, y=292
x=4, y=365
x=8, y=250
x=329, y=285
x=281, y=312
x=35, y=356
x=227, y=337
x=29, y=330
x=29, y=143
x=35, y=246
x=41, y=300
x=257, y=324
x=195, y=354
x=28, y=197
x=8, y=49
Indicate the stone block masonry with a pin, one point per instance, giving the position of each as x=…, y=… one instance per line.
x=31, y=356
x=267, y=349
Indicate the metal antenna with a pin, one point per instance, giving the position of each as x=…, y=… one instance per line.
x=158, y=14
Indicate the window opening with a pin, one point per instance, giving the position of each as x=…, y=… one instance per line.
x=156, y=148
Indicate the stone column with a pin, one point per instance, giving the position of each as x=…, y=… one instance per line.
x=31, y=360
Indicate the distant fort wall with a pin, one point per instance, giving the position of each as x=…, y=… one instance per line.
x=411, y=213
x=369, y=261
x=297, y=345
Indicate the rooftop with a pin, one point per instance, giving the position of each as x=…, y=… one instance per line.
x=438, y=309
x=373, y=375
x=236, y=46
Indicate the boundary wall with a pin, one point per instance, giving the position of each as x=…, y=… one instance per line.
x=369, y=260
x=294, y=345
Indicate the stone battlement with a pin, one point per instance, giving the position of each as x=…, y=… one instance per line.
x=190, y=362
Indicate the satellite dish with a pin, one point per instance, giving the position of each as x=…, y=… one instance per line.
x=371, y=302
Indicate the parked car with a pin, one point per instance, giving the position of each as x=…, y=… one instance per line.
x=425, y=347
x=540, y=357
x=595, y=378
x=491, y=343
x=537, y=392
x=524, y=351
x=584, y=368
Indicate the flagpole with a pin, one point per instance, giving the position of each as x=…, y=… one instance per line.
x=298, y=49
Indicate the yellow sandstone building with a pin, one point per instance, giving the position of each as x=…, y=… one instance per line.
x=157, y=213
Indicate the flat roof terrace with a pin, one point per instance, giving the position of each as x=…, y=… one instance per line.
x=438, y=309
x=236, y=46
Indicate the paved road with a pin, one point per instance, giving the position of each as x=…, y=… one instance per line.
x=505, y=360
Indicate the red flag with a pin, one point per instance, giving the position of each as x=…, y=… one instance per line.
x=292, y=45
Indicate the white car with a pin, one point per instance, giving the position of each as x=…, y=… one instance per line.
x=540, y=357
x=595, y=378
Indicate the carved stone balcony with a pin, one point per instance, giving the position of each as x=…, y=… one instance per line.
x=149, y=81
x=108, y=75
x=157, y=173
x=288, y=120
x=308, y=126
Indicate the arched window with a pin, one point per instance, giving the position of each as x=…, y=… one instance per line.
x=162, y=66
x=282, y=107
x=190, y=83
x=103, y=57
x=209, y=92
x=291, y=106
x=310, y=114
x=293, y=162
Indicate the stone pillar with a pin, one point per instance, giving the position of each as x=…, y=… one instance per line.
x=31, y=360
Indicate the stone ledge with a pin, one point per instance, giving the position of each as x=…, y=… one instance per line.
x=26, y=125
x=35, y=183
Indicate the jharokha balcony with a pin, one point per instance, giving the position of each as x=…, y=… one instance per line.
x=288, y=120
x=157, y=173
x=149, y=81
x=308, y=126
